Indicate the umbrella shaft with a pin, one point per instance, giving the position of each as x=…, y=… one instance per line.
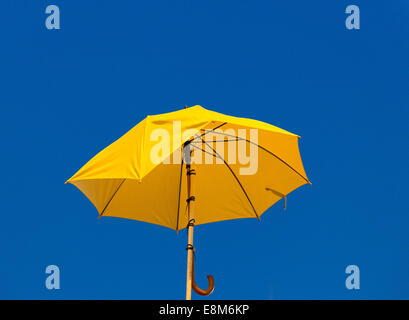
x=189, y=277
x=190, y=201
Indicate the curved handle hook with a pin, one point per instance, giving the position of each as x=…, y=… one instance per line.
x=196, y=289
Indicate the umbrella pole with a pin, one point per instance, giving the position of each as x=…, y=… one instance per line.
x=190, y=198
x=190, y=274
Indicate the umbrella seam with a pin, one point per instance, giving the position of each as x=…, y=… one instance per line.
x=106, y=206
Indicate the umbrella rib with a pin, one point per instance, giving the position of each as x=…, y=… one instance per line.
x=212, y=154
x=106, y=206
x=208, y=131
x=180, y=188
x=238, y=139
x=234, y=175
x=268, y=151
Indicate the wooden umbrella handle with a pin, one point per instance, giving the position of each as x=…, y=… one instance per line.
x=196, y=289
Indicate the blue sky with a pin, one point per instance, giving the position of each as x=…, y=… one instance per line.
x=66, y=94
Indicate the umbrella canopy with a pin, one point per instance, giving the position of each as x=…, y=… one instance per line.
x=139, y=176
x=234, y=168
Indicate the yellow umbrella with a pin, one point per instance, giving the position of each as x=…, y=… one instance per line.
x=234, y=168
